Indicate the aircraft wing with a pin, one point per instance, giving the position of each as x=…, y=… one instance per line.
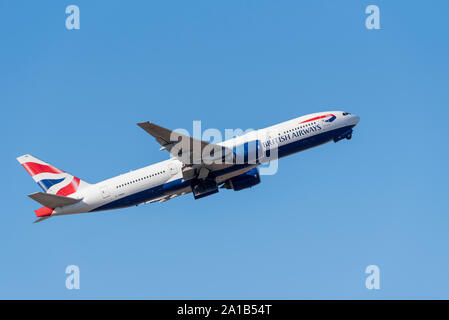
x=168, y=139
x=193, y=153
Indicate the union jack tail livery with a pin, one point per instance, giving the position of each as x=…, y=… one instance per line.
x=52, y=180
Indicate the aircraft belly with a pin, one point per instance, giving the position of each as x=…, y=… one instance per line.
x=146, y=195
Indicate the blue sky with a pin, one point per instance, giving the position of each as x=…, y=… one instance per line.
x=73, y=98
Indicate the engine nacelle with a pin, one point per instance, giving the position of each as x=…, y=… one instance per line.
x=204, y=188
x=243, y=181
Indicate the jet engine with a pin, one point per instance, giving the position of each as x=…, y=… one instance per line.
x=203, y=188
x=243, y=181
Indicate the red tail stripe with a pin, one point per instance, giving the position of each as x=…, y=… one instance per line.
x=70, y=188
x=34, y=168
x=43, y=212
x=316, y=118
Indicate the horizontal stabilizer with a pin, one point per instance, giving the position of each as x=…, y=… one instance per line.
x=40, y=219
x=52, y=200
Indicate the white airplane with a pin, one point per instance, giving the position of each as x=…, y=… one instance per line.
x=196, y=166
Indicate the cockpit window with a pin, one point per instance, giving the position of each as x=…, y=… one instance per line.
x=345, y=113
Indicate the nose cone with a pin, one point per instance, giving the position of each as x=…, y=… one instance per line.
x=355, y=119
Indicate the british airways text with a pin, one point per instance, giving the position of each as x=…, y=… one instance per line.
x=289, y=136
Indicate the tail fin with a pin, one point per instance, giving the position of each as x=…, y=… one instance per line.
x=51, y=179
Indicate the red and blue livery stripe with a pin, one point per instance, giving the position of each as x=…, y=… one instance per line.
x=34, y=168
x=70, y=188
x=332, y=118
